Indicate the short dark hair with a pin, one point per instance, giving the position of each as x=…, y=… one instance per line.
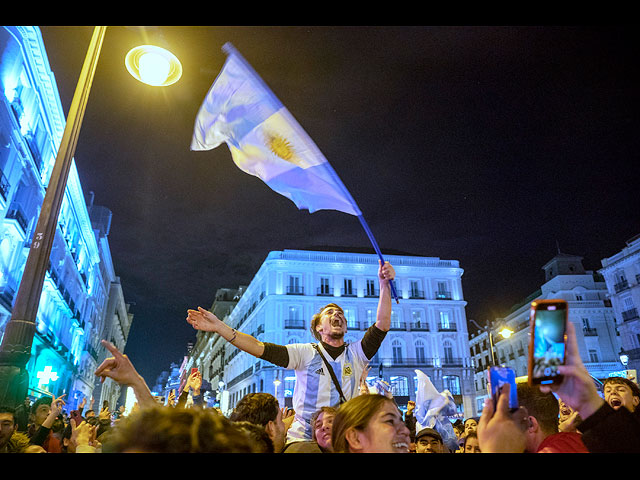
x=543, y=406
x=259, y=408
x=316, y=319
x=635, y=390
x=259, y=437
x=11, y=410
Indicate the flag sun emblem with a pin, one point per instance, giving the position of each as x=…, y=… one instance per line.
x=281, y=147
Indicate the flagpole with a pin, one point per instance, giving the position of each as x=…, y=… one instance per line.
x=377, y=249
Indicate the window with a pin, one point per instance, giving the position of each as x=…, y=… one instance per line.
x=421, y=357
x=452, y=383
x=350, y=315
x=444, y=320
x=295, y=285
x=399, y=386
x=416, y=319
x=324, y=286
x=348, y=288
x=448, y=352
x=443, y=291
x=395, y=319
x=593, y=356
x=371, y=288
x=415, y=290
x=396, y=348
x=371, y=317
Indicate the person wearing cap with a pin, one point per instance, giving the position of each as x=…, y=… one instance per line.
x=429, y=440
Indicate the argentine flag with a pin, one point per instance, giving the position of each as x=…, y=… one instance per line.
x=265, y=140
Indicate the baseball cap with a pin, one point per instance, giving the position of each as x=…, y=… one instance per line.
x=430, y=432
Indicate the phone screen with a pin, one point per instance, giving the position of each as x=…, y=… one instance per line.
x=498, y=376
x=548, y=342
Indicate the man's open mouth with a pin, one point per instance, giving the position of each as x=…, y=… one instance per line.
x=615, y=402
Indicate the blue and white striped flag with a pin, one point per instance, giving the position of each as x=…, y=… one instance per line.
x=265, y=140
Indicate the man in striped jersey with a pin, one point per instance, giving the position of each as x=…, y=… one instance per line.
x=314, y=386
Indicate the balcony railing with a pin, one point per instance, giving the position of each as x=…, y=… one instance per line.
x=295, y=290
x=590, y=332
x=416, y=294
x=15, y=212
x=620, y=286
x=630, y=314
x=4, y=186
x=294, y=323
x=420, y=326
x=447, y=327
x=443, y=295
x=324, y=292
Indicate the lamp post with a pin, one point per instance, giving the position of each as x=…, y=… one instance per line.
x=505, y=332
x=15, y=349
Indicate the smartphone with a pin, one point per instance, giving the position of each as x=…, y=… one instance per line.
x=193, y=370
x=497, y=377
x=548, y=341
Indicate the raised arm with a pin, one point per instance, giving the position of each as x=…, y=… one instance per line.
x=120, y=369
x=206, y=321
x=386, y=273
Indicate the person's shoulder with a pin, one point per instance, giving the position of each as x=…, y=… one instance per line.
x=306, y=446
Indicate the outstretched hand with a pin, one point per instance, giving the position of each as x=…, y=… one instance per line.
x=203, y=320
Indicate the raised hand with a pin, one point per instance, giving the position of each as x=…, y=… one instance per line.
x=203, y=320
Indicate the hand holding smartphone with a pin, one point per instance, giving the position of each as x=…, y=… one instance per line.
x=547, y=344
x=497, y=377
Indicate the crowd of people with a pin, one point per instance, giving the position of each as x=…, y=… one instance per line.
x=328, y=415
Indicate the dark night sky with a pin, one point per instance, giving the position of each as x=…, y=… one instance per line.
x=484, y=144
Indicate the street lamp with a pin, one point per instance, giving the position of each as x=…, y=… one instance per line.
x=153, y=65
x=20, y=330
x=276, y=382
x=505, y=332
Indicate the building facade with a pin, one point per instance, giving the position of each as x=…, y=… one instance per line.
x=81, y=297
x=590, y=312
x=428, y=325
x=622, y=276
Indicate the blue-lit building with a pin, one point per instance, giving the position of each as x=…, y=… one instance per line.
x=428, y=326
x=82, y=300
x=590, y=311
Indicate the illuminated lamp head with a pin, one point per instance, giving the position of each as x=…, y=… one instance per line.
x=153, y=65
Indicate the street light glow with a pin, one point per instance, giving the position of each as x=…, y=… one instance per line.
x=153, y=65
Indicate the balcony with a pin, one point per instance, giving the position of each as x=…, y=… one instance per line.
x=420, y=326
x=629, y=315
x=416, y=294
x=324, y=292
x=15, y=213
x=590, y=332
x=398, y=326
x=372, y=293
x=295, y=290
x=294, y=323
x=443, y=295
x=4, y=186
x=447, y=327
x=620, y=286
